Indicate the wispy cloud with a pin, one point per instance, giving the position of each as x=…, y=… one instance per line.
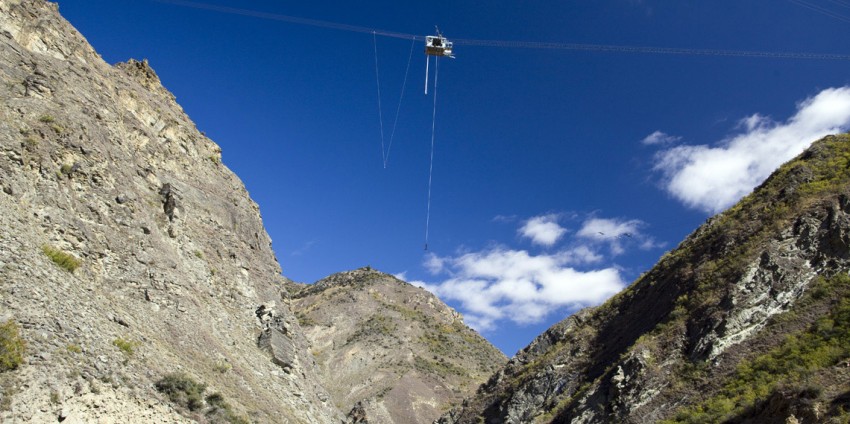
x=713, y=178
x=543, y=230
x=659, y=137
x=304, y=248
x=504, y=218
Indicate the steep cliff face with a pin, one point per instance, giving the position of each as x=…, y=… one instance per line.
x=390, y=352
x=128, y=252
x=748, y=319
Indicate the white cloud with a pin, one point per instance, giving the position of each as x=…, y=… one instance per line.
x=659, y=137
x=501, y=283
x=543, y=230
x=714, y=178
x=615, y=233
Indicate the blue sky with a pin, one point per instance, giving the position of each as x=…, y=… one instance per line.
x=558, y=175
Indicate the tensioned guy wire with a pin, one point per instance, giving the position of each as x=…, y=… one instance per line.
x=380, y=109
x=823, y=10
x=522, y=44
x=385, y=151
x=400, y=98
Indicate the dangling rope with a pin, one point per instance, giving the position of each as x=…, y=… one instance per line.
x=427, y=63
x=380, y=109
x=431, y=168
x=400, y=98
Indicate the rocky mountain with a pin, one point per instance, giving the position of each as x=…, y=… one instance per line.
x=747, y=320
x=137, y=284
x=389, y=352
x=134, y=267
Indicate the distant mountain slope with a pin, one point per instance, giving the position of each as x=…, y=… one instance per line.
x=129, y=253
x=748, y=320
x=388, y=351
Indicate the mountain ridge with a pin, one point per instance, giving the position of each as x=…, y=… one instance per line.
x=700, y=304
x=135, y=269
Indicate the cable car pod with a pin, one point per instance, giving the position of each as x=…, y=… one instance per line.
x=437, y=45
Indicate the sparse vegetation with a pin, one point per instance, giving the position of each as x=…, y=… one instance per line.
x=65, y=261
x=47, y=119
x=182, y=390
x=12, y=346
x=188, y=393
x=128, y=347
x=220, y=411
x=222, y=367
x=304, y=320
x=74, y=348
x=824, y=344
x=439, y=367
x=377, y=325
x=8, y=388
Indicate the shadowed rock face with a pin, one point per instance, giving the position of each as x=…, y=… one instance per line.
x=686, y=336
x=390, y=352
x=100, y=163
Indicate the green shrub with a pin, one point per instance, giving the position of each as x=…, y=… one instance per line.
x=12, y=346
x=46, y=119
x=65, y=260
x=188, y=393
x=126, y=346
x=222, y=367
x=182, y=390
x=221, y=411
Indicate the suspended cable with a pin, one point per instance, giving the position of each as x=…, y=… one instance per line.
x=290, y=19
x=649, y=50
x=433, y=132
x=531, y=44
x=398, y=109
x=841, y=3
x=821, y=10
x=380, y=109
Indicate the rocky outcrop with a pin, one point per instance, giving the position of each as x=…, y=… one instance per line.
x=390, y=352
x=100, y=167
x=683, y=339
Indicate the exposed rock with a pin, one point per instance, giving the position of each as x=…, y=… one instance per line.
x=390, y=352
x=173, y=258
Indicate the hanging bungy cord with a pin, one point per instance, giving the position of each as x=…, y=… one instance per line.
x=431, y=167
x=385, y=152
